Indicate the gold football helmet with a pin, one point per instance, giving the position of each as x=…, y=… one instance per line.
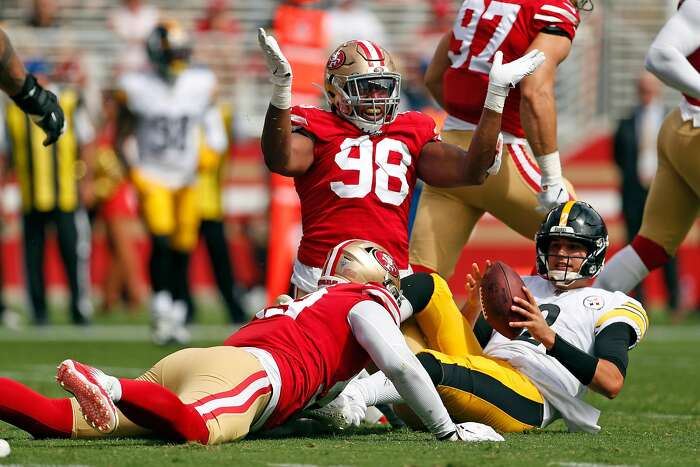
x=362, y=85
x=361, y=262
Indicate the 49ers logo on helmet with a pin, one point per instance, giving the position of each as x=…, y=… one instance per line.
x=336, y=60
x=387, y=262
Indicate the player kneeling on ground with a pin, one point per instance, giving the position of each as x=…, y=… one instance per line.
x=573, y=337
x=290, y=357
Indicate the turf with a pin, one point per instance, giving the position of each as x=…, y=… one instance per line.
x=655, y=420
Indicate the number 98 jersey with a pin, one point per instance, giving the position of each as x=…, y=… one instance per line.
x=168, y=115
x=484, y=27
x=359, y=185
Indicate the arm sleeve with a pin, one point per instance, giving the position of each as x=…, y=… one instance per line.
x=667, y=56
x=612, y=344
x=377, y=333
x=482, y=330
x=556, y=17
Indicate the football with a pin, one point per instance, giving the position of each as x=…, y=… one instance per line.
x=499, y=286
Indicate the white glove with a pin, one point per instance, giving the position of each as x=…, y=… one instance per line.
x=553, y=189
x=473, y=432
x=280, y=69
x=551, y=196
x=504, y=76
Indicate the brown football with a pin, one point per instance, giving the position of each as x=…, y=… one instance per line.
x=499, y=286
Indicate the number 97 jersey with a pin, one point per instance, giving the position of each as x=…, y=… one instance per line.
x=359, y=185
x=484, y=27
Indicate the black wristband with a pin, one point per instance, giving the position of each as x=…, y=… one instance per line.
x=418, y=289
x=581, y=364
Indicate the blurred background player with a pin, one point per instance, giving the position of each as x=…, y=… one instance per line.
x=212, y=166
x=355, y=166
x=164, y=108
x=522, y=192
x=672, y=205
x=636, y=158
x=48, y=181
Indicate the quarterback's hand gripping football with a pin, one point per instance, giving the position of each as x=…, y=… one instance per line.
x=280, y=70
x=504, y=76
x=42, y=107
x=474, y=432
x=532, y=319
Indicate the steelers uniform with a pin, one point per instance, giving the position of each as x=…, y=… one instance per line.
x=514, y=385
x=168, y=115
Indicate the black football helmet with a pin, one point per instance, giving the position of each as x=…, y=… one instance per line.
x=578, y=221
x=169, y=49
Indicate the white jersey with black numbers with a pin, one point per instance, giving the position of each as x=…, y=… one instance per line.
x=578, y=316
x=168, y=115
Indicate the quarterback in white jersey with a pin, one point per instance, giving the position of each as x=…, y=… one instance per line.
x=574, y=337
x=164, y=109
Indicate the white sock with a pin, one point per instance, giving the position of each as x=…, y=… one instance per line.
x=623, y=272
x=377, y=389
x=115, y=390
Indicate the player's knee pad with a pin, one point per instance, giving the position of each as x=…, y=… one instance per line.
x=418, y=289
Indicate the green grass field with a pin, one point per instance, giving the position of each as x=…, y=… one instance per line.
x=655, y=420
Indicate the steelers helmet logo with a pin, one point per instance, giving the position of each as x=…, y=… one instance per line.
x=336, y=60
x=387, y=262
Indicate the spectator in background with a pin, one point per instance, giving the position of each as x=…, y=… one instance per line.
x=43, y=14
x=48, y=182
x=210, y=176
x=217, y=19
x=636, y=157
x=133, y=21
x=115, y=202
x=352, y=19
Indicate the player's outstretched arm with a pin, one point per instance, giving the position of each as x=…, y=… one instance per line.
x=446, y=165
x=374, y=329
x=41, y=105
x=679, y=38
x=436, y=69
x=538, y=112
x=285, y=153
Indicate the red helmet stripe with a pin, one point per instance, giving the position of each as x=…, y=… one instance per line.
x=372, y=51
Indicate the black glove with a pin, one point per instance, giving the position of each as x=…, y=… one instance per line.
x=42, y=106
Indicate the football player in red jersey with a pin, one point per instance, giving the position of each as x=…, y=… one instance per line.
x=674, y=196
x=356, y=165
x=291, y=357
x=522, y=192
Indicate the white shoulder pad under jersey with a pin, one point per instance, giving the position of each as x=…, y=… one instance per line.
x=167, y=117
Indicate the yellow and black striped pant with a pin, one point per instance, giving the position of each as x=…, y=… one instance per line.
x=474, y=387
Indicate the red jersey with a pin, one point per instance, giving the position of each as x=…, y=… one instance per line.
x=694, y=60
x=359, y=185
x=485, y=27
x=312, y=344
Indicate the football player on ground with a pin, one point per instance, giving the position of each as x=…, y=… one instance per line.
x=356, y=165
x=22, y=87
x=290, y=357
x=164, y=108
x=674, y=196
x=574, y=337
x=522, y=192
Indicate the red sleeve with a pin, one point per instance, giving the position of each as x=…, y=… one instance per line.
x=426, y=128
x=559, y=14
